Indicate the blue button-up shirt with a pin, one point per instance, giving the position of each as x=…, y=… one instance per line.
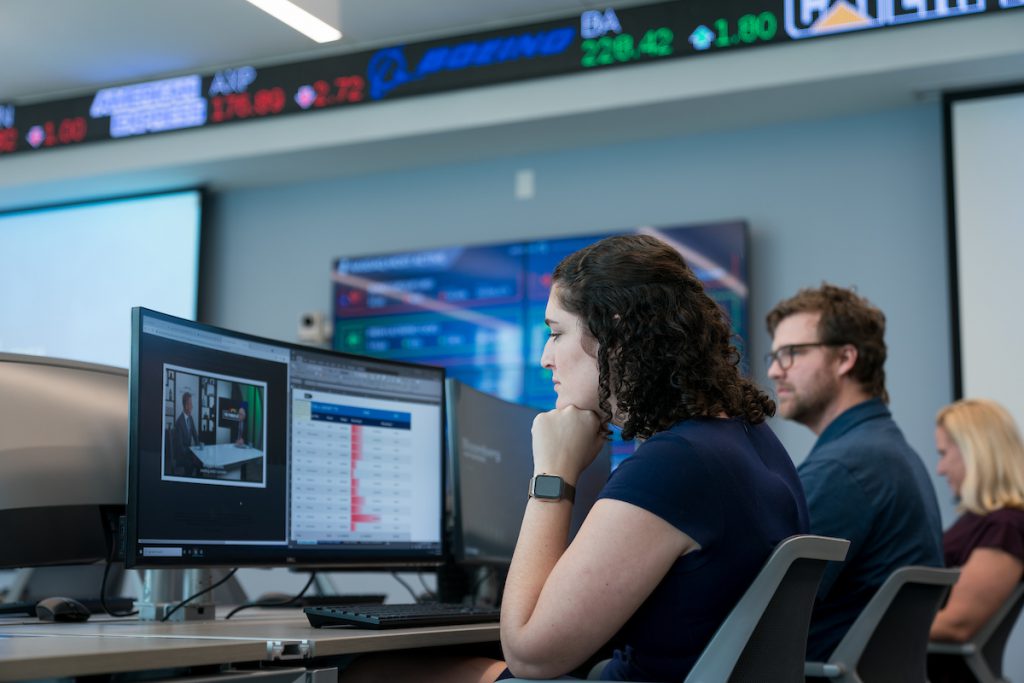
x=864, y=482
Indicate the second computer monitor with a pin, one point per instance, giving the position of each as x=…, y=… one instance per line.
x=248, y=451
x=490, y=451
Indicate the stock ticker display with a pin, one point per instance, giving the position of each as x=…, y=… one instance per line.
x=479, y=311
x=592, y=40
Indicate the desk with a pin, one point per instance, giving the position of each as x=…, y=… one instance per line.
x=230, y=462
x=33, y=649
x=225, y=454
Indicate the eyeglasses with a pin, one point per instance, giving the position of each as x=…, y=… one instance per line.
x=785, y=355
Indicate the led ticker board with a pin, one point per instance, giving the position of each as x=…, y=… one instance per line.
x=592, y=40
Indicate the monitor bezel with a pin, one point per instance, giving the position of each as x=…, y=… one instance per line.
x=453, y=391
x=289, y=557
x=590, y=482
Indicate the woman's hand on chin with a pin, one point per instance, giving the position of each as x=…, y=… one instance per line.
x=566, y=440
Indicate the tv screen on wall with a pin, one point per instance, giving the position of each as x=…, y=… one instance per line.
x=478, y=311
x=72, y=273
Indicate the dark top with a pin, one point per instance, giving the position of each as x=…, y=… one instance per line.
x=732, y=488
x=1002, y=529
x=865, y=483
x=187, y=463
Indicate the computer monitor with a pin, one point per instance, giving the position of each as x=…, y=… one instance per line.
x=490, y=447
x=63, y=447
x=247, y=451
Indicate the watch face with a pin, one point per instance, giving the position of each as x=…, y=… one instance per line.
x=547, y=486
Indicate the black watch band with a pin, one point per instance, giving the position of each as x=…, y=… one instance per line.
x=551, y=487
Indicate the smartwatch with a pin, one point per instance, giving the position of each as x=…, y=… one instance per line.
x=550, y=487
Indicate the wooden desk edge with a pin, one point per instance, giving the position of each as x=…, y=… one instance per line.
x=34, y=653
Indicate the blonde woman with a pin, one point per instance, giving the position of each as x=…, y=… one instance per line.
x=981, y=455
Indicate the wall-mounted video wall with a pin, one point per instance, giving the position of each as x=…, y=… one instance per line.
x=478, y=311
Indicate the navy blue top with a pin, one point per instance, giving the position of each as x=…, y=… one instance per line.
x=864, y=482
x=732, y=488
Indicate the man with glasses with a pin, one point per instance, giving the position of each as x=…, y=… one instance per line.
x=862, y=479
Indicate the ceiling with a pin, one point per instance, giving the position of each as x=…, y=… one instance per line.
x=64, y=48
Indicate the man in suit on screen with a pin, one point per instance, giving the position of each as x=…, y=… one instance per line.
x=185, y=436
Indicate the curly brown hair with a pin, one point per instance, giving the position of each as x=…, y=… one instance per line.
x=664, y=348
x=846, y=318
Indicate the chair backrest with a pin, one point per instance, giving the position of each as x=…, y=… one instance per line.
x=764, y=638
x=991, y=638
x=889, y=640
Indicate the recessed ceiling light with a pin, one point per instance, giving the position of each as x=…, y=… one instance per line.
x=299, y=19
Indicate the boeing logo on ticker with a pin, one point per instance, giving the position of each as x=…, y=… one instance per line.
x=389, y=68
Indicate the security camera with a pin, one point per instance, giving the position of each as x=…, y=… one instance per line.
x=314, y=328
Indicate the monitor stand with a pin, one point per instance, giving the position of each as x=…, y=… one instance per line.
x=480, y=585
x=454, y=582
x=162, y=589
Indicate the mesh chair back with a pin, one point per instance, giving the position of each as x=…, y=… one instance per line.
x=774, y=651
x=889, y=640
x=764, y=638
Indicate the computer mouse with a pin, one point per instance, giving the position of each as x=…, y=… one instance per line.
x=62, y=609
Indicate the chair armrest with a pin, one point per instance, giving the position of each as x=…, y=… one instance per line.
x=942, y=648
x=822, y=670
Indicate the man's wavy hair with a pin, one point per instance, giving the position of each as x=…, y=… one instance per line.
x=663, y=347
x=846, y=318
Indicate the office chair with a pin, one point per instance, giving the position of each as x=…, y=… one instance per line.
x=983, y=653
x=888, y=640
x=764, y=638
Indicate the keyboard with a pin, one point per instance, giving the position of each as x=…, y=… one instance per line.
x=400, y=616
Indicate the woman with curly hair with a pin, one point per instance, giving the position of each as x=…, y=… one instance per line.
x=683, y=525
